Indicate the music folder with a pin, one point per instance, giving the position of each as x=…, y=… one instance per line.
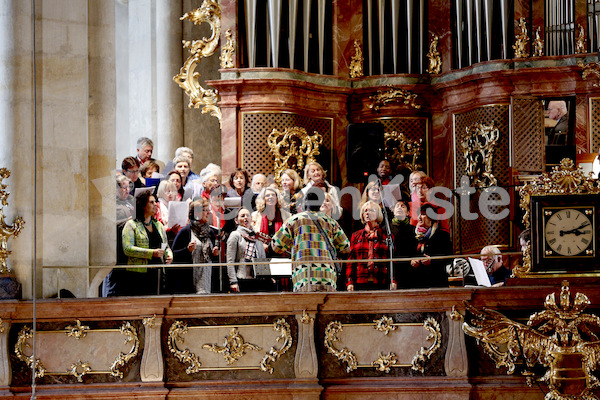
x=264, y=267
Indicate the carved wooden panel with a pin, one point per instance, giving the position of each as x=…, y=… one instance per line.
x=528, y=134
x=595, y=124
x=257, y=126
x=472, y=235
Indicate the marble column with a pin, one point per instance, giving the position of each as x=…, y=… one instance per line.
x=16, y=140
x=169, y=99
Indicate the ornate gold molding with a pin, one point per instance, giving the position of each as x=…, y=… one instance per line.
x=228, y=51
x=590, y=71
x=285, y=336
x=6, y=231
x=478, y=151
x=149, y=321
x=187, y=79
x=78, y=331
x=435, y=334
x=344, y=355
x=233, y=348
x=435, y=62
x=520, y=46
x=357, y=61
x=402, y=151
x=561, y=338
x=293, y=148
x=79, y=368
x=538, y=44
x=176, y=331
x=565, y=178
x=306, y=319
x=392, y=95
x=383, y=362
x=580, y=40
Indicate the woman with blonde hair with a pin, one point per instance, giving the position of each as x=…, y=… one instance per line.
x=269, y=215
x=314, y=176
x=290, y=185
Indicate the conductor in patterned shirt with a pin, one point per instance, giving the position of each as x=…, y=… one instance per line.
x=315, y=238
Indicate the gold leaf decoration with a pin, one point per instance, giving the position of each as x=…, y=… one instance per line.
x=418, y=363
x=78, y=331
x=344, y=355
x=234, y=347
x=393, y=94
x=285, y=336
x=176, y=332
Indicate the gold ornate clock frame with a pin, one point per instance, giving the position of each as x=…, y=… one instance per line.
x=564, y=180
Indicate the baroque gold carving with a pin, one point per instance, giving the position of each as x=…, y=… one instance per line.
x=561, y=338
x=392, y=95
x=435, y=334
x=580, y=40
x=402, y=151
x=383, y=362
x=124, y=358
x=228, y=51
x=6, y=231
x=478, y=151
x=344, y=355
x=20, y=346
x=79, y=368
x=565, y=178
x=306, y=319
x=187, y=79
x=590, y=71
x=285, y=336
x=538, y=44
x=185, y=356
x=435, y=62
x=233, y=348
x=520, y=46
x=78, y=331
x=293, y=148
x=149, y=321
x=356, y=62
x=385, y=324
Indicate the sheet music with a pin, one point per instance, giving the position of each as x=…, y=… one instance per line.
x=391, y=194
x=480, y=273
x=139, y=191
x=178, y=213
x=281, y=266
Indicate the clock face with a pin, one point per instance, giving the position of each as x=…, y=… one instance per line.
x=568, y=232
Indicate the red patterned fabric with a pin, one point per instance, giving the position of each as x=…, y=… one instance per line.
x=362, y=244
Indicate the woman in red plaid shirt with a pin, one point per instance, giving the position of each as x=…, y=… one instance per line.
x=365, y=244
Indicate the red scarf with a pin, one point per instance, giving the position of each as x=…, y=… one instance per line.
x=372, y=235
x=264, y=224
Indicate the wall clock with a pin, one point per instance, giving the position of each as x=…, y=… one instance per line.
x=562, y=209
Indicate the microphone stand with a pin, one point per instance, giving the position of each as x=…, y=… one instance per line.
x=388, y=232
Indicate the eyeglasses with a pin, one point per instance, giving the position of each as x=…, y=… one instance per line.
x=132, y=171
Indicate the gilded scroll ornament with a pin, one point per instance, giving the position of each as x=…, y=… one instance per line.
x=520, y=46
x=561, y=338
x=402, y=151
x=357, y=61
x=478, y=151
x=435, y=334
x=392, y=95
x=149, y=321
x=228, y=51
x=344, y=355
x=538, y=44
x=20, y=346
x=385, y=324
x=79, y=369
x=176, y=331
x=590, y=71
x=293, y=148
x=306, y=318
x=131, y=333
x=435, y=62
x=564, y=179
x=6, y=231
x=285, y=336
x=234, y=347
x=385, y=362
x=78, y=331
x=187, y=79
x=580, y=40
